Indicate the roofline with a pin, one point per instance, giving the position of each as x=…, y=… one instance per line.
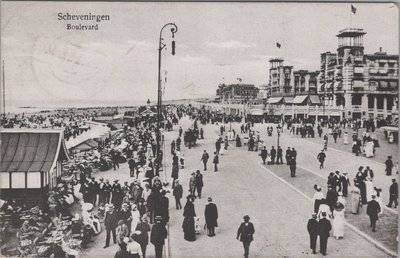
x=32, y=130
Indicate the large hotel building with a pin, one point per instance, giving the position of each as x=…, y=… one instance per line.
x=349, y=84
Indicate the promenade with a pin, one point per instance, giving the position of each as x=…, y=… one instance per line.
x=279, y=206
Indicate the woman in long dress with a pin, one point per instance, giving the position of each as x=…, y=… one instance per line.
x=189, y=228
x=135, y=214
x=318, y=196
x=338, y=221
x=379, y=199
x=369, y=189
x=346, y=138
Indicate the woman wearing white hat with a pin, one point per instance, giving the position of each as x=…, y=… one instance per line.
x=135, y=214
x=89, y=218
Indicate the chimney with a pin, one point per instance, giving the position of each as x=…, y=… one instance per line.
x=380, y=49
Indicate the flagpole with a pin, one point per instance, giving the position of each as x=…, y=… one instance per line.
x=4, y=93
x=351, y=11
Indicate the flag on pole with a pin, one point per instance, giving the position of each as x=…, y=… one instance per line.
x=278, y=45
x=353, y=9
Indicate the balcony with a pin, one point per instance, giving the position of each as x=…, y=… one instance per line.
x=389, y=76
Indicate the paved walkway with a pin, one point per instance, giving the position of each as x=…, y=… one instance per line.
x=242, y=187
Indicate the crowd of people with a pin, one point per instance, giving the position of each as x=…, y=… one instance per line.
x=136, y=212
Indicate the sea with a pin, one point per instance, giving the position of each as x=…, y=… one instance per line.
x=14, y=108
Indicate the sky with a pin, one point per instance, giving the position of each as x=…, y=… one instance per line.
x=216, y=42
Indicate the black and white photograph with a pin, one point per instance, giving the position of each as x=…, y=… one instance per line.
x=199, y=129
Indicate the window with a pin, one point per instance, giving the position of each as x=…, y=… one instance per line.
x=4, y=180
x=379, y=102
x=371, y=101
x=17, y=180
x=34, y=180
x=356, y=99
x=389, y=104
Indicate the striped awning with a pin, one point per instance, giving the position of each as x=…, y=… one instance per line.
x=315, y=99
x=329, y=86
x=31, y=151
x=299, y=99
x=338, y=84
x=274, y=100
x=288, y=100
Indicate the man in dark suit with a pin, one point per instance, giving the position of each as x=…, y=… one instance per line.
x=110, y=223
x=245, y=234
x=273, y=155
x=288, y=155
x=117, y=194
x=102, y=193
x=292, y=166
x=312, y=228
x=279, y=156
x=205, y=158
x=199, y=183
x=211, y=215
x=345, y=183
x=264, y=154
x=107, y=191
x=373, y=210
x=389, y=166
x=321, y=158
x=393, y=193
x=158, y=236
x=324, y=226
x=215, y=161
x=164, y=207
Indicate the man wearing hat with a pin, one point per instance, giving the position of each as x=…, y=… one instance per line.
x=158, y=236
x=117, y=194
x=216, y=161
x=321, y=158
x=211, y=215
x=393, y=193
x=264, y=154
x=177, y=193
x=192, y=184
x=125, y=215
x=245, y=234
x=389, y=166
x=368, y=172
x=107, y=191
x=312, y=228
x=110, y=222
x=102, y=192
x=292, y=167
x=373, y=210
x=163, y=210
x=336, y=181
x=345, y=183
x=205, y=158
x=324, y=226
x=199, y=183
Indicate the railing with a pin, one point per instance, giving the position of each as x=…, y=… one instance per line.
x=351, y=30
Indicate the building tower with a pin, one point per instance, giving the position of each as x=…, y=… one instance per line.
x=350, y=45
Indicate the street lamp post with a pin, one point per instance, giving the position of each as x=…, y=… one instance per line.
x=161, y=46
x=278, y=130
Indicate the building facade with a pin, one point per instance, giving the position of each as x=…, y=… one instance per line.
x=361, y=85
x=238, y=93
x=292, y=93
